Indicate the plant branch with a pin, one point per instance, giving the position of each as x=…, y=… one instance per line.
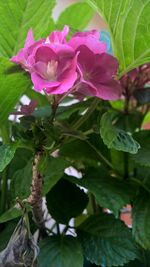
x=35, y=199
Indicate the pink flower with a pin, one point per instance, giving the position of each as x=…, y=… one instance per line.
x=96, y=68
x=54, y=68
x=90, y=39
x=58, y=37
x=79, y=66
x=22, y=57
x=51, y=62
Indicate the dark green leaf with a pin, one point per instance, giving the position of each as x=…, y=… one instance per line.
x=6, y=233
x=7, y=153
x=52, y=170
x=16, y=18
x=116, y=138
x=19, y=161
x=142, y=95
x=77, y=16
x=13, y=83
x=64, y=112
x=111, y=193
x=144, y=261
x=10, y=214
x=141, y=219
x=66, y=201
x=21, y=182
x=143, y=155
x=62, y=251
x=106, y=241
x=43, y=112
x=41, y=99
x=79, y=151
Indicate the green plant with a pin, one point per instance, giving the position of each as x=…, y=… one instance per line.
x=103, y=141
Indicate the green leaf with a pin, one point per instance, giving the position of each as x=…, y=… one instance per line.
x=62, y=251
x=41, y=99
x=78, y=151
x=19, y=161
x=116, y=138
x=144, y=260
x=7, y=153
x=141, y=219
x=10, y=214
x=131, y=47
x=43, y=112
x=106, y=241
x=21, y=182
x=143, y=155
x=66, y=201
x=20, y=16
x=13, y=83
x=52, y=170
x=136, y=263
x=77, y=22
x=109, y=192
x=6, y=233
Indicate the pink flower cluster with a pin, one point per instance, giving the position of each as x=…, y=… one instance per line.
x=79, y=66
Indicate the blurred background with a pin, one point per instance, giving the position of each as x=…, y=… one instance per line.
x=95, y=23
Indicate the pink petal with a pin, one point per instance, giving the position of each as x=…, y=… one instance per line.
x=40, y=84
x=67, y=78
x=86, y=89
x=45, y=54
x=86, y=59
x=109, y=91
x=30, y=39
x=90, y=41
x=93, y=33
x=108, y=63
x=59, y=37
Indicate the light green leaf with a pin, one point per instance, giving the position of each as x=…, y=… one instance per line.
x=10, y=214
x=106, y=241
x=128, y=22
x=77, y=16
x=116, y=138
x=109, y=192
x=141, y=219
x=7, y=153
x=16, y=17
x=13, y=83
x=62, y=251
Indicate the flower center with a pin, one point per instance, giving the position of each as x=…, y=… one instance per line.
x=87, y=76
x=52, y=70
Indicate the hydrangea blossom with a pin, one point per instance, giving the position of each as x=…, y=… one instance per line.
x=79, y=66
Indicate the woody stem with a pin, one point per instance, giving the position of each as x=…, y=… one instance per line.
x=35, y=198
